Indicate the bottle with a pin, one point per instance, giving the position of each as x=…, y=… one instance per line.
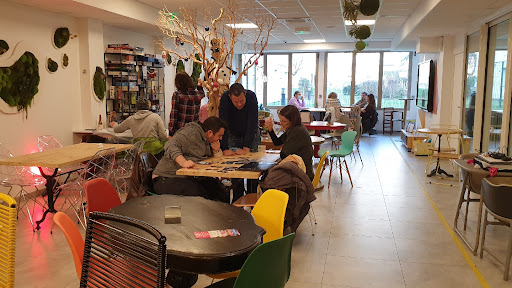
x=100, y=124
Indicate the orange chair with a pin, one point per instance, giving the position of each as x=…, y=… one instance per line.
x=101, y=195
x=74, y=238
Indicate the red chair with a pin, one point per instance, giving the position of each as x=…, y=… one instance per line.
x=74, y=238
x=101, y=195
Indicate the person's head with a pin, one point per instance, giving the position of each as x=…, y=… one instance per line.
x=289, y=116
x=297, y=94
x=214, y=128
x=332, y=95
x=237, y=95
x=364, y=96
x=142, y=104
x=183, y=82
x=371, y=99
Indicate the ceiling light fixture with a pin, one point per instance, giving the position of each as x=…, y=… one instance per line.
x=315, y=41
x=360, y=22
x=243, y=26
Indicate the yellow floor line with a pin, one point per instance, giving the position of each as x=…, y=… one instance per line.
x=459, y=244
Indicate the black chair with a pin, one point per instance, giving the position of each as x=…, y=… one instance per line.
x=122, y=252
x=497, y=195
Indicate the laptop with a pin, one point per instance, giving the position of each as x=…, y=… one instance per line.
x=257, y=166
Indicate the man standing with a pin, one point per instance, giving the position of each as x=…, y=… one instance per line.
x=190, y=144
x=239, y=108
x=363, y=101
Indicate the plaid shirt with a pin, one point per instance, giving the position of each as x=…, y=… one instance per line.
x=185, y=108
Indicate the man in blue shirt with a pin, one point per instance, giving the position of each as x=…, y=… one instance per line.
x=239, y=107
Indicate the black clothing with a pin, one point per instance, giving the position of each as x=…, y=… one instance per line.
x=242, y=123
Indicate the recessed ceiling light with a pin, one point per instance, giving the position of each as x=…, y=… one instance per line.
x=243, y=26
x=314, y=41
x=360, y=22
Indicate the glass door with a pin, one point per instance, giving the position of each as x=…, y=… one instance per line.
x=495, y=86
x=468, y=113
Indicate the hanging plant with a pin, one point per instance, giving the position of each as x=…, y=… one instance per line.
x=360, y=32
x=19, y=82
x=180, y=66
x=51, y=65
x=360, y=45
x=100, y=84
x=350, y=11
x=369, y=7
x=4, y=47
x=196, y=70
x=65, y=60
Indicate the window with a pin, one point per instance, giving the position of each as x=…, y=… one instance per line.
x=395, y=78
x=339, y=76
x=277, y=80
x=367, y=74
x=468, y=115
x=254, y=79
x=304, y=76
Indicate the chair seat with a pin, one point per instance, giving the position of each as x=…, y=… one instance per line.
x=230, y=282
x=335, y=153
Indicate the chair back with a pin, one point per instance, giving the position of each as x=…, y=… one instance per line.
x=117, y=257
x=8, y=215
x=17, y=175
x=269, y=213
x=305, y=117
x=101, y=195
x=6, y=172
x=269, y=265
x=141, y=181
x=347, y=141
x=125, y=165
x=47, y=142
x=497, y=195
x=74, y=238
x=318, y=171
x=474, y=182
x=100, y=165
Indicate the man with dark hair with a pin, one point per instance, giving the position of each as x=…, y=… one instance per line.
x=239, y=107
x=190, y=144
x=363, y=101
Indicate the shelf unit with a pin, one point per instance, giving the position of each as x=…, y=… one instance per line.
x=131, y=77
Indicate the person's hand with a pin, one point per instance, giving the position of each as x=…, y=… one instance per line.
x=112, y=124
x=269, y=123
x=215, y=146
x=188, y=164
x=243, y=151
x=228, y=152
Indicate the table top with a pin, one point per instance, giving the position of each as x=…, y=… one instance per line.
x=216, y=166
x=324, y=125
x=200, y=256
x=315, y=109
x=470, y=168
x=316, y=139
x=61, y=157
x=439, y=131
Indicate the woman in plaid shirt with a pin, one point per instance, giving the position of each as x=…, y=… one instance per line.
x=186, y=102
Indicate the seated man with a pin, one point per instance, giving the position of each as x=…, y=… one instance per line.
x=194, y=142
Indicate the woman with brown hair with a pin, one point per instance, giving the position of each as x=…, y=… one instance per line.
x=295, y=139
x=186, y=102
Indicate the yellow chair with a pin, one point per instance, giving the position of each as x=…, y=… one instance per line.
x=8, y=214
x=268, y=213
x=319, y=170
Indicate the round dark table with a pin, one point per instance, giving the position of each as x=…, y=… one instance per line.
x=187, y=256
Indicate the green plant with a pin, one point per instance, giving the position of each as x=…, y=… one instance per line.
x=4, y=47
x=99, y=83
x=350, y=10
x=180, y=66
x=369, y=7
x=360, y=32
x=196, y=70
x=65, y=60
x=61, y=37
x=19, y=82
x=360, y=45
x=52, y=65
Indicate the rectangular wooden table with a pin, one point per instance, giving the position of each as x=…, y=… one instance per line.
x=58, y=158
x=216, y=168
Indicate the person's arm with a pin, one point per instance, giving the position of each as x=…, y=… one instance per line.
x=160, y=129
x=125, y=125
x=293, y=102
x=173, y=122
x=302, y=104
x=293, y=142
x=224, y=115
x=175, y=151
x=252, y=123
x=278, y=141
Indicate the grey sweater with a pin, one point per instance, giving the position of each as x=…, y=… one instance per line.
x=190, y=142
x=144, y=123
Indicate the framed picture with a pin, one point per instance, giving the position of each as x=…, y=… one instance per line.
x=410, y=127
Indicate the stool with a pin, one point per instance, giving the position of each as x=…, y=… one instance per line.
x=388, y=119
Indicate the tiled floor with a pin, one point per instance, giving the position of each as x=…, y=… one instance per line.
x=383, y=232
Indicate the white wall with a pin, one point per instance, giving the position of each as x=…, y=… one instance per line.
x=56, y=108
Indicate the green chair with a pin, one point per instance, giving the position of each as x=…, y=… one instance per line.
x=269, y=265
x=347, y=147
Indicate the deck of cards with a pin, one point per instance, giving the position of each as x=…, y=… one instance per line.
x=216, y=233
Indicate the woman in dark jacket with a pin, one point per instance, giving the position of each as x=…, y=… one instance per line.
x=368, y=115
x=295, y=139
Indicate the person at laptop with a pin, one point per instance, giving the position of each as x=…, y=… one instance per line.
x=239, y=108
x=194, y=142
x=295, y=139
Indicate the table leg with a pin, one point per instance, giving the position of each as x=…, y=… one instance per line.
x=438, y=169
x=180, y=279
x=50, y=183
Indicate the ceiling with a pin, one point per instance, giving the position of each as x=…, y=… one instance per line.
x=398, y=22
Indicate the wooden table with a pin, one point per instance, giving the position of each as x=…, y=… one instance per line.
x=187, y=256
x=439, y=132
x=215, y=168
x=322, y=125
x=58, y=158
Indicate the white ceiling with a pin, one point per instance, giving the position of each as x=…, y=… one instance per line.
x=399, y=22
